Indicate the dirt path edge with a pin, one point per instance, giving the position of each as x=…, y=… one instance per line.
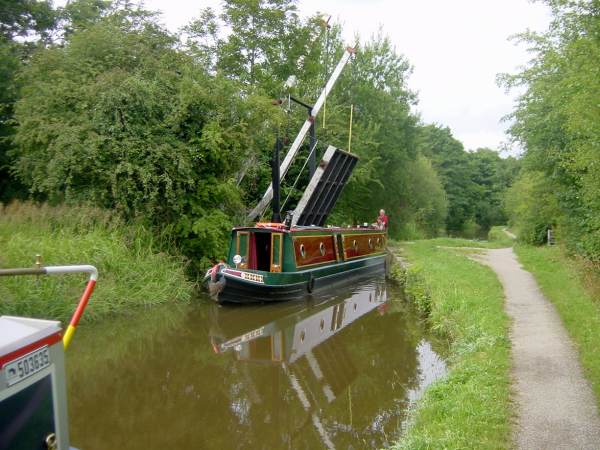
x=556, y=407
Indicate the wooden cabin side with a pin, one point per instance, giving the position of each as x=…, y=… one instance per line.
x=336, y=245
x=270, y=250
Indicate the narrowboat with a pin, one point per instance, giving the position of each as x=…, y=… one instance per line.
x=282, y=260
x=279, y=263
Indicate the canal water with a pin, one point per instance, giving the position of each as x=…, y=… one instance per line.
x=332, y=372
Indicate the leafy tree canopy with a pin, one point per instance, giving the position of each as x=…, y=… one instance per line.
x=178, y=129
x=557, y=118
x=21, y=18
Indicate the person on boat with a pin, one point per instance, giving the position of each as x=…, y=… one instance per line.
x=382, y=220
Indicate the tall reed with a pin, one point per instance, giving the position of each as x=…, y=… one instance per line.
x=132, y=272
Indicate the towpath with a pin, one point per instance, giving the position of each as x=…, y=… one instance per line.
x=556, y=407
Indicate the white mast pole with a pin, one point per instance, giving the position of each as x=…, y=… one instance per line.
x=287, y=161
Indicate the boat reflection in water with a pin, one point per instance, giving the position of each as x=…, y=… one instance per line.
x=331, y=372
x=296, y=331
x=305, y=341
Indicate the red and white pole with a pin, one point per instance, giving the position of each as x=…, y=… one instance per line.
x=58, y=270
x=84, y=298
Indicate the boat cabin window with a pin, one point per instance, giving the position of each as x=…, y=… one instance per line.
x=242, y=247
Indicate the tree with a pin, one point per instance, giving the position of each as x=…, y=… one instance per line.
x=23, y=24
x=493, y=175
x=427, y=201
x=22, y=18
x=117, y=116
x=383, y=134
x=557, y=118
x=259, y=42
x=452, y=164
x=532, y=207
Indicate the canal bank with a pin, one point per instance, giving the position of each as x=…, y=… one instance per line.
x=552, y=403
x=133, y=273
x=462, y=302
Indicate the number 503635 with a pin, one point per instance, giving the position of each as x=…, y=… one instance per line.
x=27, y=365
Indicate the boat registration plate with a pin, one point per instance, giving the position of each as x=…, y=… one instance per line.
x=26, y=365
x=253, y=334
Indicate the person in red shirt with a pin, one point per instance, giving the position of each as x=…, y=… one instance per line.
x=382, y=220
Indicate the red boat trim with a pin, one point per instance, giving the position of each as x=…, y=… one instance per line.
x=235, y=273
x=48, y=340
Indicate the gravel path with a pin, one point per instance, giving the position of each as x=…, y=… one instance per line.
x=556, y=407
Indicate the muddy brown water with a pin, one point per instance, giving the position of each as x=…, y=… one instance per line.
x=330, y=372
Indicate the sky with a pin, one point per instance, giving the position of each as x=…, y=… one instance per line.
x=456, y=48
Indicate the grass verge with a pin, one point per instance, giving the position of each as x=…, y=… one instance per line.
x=463, y=301
x=561, y=279
x=132, y=273
x=499, y=236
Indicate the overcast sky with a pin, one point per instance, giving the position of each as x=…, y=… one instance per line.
x=455, y=46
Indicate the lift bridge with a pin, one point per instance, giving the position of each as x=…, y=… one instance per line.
x=328, y=178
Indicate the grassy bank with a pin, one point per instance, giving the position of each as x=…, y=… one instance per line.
x=463, y=301
x=563, y=281
x=499, y=237
x=132, y=273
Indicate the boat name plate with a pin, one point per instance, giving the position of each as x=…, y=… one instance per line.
x=248, y=276
x=26, y=365
x=253, y=334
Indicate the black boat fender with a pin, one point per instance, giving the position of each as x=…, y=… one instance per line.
x=310, y=285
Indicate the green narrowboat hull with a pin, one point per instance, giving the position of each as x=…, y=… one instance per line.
x=230, y=287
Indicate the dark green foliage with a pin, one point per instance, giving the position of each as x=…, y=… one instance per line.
x=531, y=203
x=9, y=55
x=24, y=17
x=387, y=151
x=23, y=25
x=474, y=181
x=260, y=40
x=451, y=161
x=557, y=120
x=120, y=113
x=493, y=175
x=120, y=118
x=427, y=203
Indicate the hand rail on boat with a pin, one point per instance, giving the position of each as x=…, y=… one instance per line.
x=56, y=270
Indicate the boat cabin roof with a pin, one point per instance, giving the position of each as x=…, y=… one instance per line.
x=281, y=228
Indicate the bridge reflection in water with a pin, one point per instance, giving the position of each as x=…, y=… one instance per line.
x=329, y=373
